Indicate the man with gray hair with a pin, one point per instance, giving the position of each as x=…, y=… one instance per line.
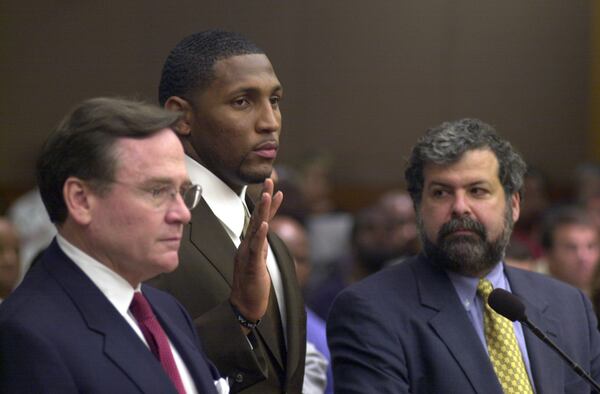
x=423, y=326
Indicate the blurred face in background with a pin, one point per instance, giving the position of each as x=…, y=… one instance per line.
x=402, y=233
x=294, y=236
x=574, y=254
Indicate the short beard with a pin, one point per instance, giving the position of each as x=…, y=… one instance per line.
x=250, y=177
x=471, y=254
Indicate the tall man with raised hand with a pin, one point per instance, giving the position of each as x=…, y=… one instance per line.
x=113, y=180
x=251, y=316
x=423, y=326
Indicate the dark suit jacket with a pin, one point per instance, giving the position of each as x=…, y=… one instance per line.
x=60, y=334
x=202, y=283
x=404, y=330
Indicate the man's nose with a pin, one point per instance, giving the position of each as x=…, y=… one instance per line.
x=587, y=255
x=269, y=118
x=178, y=212
x=460, y=204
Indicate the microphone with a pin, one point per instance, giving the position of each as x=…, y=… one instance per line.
x=511, y=307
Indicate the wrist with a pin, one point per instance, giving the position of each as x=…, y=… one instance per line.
x=244, y=322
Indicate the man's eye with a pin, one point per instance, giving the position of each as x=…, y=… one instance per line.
x=275, y=100
x=478, y=191
x=438, y=193
x=159, y=192
x=241, y=102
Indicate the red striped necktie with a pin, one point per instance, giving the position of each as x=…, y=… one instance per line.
x=156, y=338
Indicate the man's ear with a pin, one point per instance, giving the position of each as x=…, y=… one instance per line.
x=175, y=103
x=515, y=202
x=78, y=198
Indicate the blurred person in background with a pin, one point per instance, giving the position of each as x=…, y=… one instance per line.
x=294, y=235
x=587, y=181
x=367, y=255
x=402, y=234
x=316, y=183
x=9, y=258
x=571, y=246
x=535, y=202
x=34, y=228
x=587, y=189
x=518, y=254
x=328, y=227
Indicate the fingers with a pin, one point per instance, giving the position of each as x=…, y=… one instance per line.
x=268, y=187
x=274, y=200
x=260, y=214
x=251, y=285
x=258, y=245
x=275, y=204
x=266, y=208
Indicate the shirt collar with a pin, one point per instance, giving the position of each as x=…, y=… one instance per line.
x=466, y=286
x=114, y=287
x=222, y=200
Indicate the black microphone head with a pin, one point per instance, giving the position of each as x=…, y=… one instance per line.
x=507, y=305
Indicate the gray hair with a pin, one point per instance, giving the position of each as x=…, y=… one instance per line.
x=446, y=143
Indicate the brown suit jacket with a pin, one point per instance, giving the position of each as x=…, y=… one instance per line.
x=202, y=283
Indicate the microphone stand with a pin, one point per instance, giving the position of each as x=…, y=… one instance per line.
x=578, y=370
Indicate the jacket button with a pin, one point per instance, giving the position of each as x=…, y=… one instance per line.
x=239, y=378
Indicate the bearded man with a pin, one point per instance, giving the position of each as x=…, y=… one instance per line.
x=423, y=326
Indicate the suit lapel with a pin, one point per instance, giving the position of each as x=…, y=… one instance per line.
x=207, y=234
x=546, y=366
x=296, y=317
x=121, y=343
x=268, y=324
x=453, y=326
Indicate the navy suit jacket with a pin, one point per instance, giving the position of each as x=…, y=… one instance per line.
x=404, y=330
x=60, y=334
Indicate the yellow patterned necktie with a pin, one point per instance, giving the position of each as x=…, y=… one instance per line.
x=503, y=347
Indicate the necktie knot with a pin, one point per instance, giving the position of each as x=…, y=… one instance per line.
x=484, y=288
x=140, y=308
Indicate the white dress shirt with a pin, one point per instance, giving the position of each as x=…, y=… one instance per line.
x=230, y=209
x=120, y=294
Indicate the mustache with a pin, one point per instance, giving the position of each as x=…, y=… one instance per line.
x=462, y=223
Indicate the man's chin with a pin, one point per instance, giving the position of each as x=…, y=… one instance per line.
x=252, y=178
x=460, y=256
x=256, y=172
x=169, y=263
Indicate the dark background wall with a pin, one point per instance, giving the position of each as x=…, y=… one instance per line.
x=362, y=79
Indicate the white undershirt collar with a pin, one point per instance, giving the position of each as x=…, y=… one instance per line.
x=228, y=206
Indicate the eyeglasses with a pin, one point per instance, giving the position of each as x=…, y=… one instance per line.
x=161, y=195
x=190, y=195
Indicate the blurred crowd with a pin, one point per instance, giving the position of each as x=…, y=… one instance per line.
x=557, y=234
